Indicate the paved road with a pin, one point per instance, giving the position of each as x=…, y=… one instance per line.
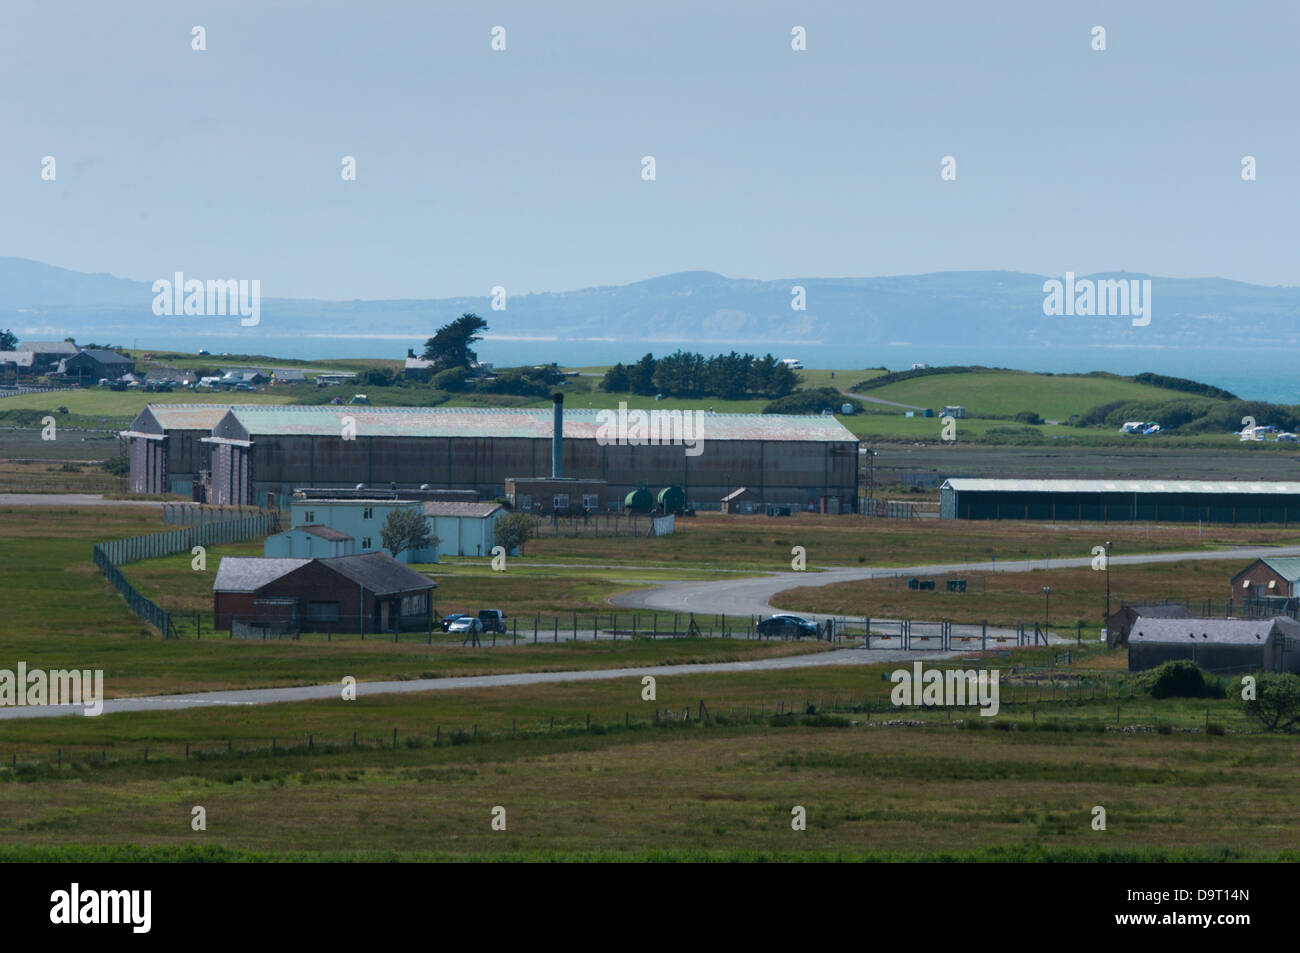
x=753, y=596
x=68, y=499
x=331, y=692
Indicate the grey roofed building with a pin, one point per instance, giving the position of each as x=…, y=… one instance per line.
x=1217, y=645
x=288, y=375
x=1119, y=500
x=61, y=348
x=96, y=363
x=20, y=358
x=379, y=572
x=474, y=510
x=1123, y=619
x=250, y=573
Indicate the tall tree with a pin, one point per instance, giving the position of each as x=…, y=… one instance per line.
x=8, y=340
x=450, y=346
x=406, y=529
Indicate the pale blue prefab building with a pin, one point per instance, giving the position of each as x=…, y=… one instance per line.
x=323, y=528
x=464, y=529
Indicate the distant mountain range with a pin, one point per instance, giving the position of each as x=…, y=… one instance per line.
x=953, y=308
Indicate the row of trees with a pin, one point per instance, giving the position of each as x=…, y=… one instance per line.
x=728, y=376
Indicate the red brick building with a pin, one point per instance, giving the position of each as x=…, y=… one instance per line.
x=370, y=592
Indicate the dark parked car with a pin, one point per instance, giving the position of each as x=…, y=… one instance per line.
x=447, y=620
x=787, y=627
x=494, y=620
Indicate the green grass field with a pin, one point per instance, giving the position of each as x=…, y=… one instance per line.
x=626, y=788
x=1007, y=393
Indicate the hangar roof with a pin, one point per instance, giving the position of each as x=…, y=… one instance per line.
x=967, y=484
x=1208, y=631
x=533, y=423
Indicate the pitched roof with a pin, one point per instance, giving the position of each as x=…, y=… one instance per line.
x=102, y=356
x=250, y=573
x=453, y=508
x=379, y=572
x=1211, y=631
x=507, y=422
x=20, y=358
x=288, y=374
x=324, y=532
x=979, y=485
x=1163, y=611
x=737, y=494
x=1286, y=567
x=48, y=347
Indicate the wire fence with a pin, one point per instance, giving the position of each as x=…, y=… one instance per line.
x=1087, y=699
x=108, y=556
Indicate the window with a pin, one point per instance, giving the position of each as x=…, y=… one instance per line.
x=365, y=542
x=309, y=517
x=368, y=513
x=322, y=612
x=560, y=501
x=591, y=501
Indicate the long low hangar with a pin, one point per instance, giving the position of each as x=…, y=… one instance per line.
x=1168, y=501
x=258, y=454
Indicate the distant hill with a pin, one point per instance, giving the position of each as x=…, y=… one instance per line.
x=953, y=308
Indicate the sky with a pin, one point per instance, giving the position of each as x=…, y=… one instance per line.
x=522, y=168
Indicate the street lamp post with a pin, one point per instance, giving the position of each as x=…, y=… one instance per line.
x=1108, y=590
x=1047, y=609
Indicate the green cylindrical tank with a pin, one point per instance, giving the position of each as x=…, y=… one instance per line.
x=672, y=499
x=639, y=500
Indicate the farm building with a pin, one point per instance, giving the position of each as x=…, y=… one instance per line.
x=261, y=453
x=337, y=594
x=46, y=355
x=342, y=527
x=92, y=365
x=1170, y=501
x=1121, y=622
x=1267, y=586
x=1217, y=645
x=464, y=529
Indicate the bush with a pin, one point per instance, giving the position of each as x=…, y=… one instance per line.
x=1028, y=417
x=1180, y=679
x=812, y=401
x=452, y=379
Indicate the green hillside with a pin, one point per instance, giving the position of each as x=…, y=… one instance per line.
x=1007, y=393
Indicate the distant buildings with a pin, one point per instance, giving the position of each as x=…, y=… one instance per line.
x=1121, y=622
x=1175, y=501
x=1267, y=585
x=90, y=366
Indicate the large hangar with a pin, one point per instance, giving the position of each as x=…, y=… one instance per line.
x=1167, y=501
x=259, y=454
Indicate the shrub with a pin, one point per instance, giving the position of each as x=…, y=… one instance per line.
x=452, y=379
x=1179, y=679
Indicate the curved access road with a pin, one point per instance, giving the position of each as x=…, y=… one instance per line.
x=753, y=596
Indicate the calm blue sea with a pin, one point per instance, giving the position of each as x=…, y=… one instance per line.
x=1252, y=374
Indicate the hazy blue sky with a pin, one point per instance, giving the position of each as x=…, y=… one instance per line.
x=523, y=168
